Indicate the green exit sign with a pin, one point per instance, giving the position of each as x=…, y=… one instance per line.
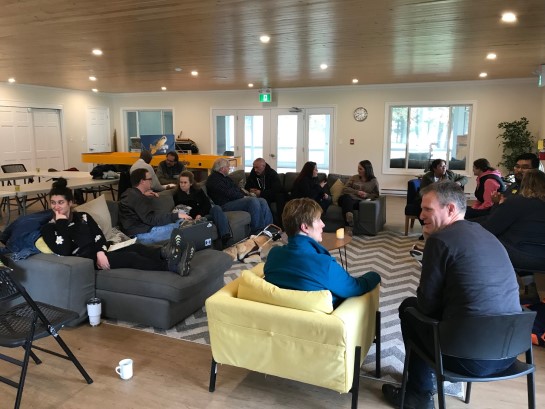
x=265, y=95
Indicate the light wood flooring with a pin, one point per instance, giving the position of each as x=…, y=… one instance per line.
x=169, y=373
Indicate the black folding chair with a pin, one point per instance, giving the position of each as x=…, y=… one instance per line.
x=487, y=337
x=23, y=323
x=20, y=167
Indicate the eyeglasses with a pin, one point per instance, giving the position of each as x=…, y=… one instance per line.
x=525, y=167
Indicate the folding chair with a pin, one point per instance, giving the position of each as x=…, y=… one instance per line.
x=23, y=323
x=20, y=167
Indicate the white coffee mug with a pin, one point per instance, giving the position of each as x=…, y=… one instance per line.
x=124, y=370
x=94, y=309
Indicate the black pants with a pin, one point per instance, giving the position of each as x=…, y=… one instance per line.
x=348, y=204
x=138, y=256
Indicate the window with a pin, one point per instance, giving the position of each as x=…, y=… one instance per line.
x=146, y=122
x=419, y=134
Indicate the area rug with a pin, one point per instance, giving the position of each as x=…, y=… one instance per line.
x=387, y=254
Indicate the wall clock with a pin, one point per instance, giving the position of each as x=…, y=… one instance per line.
x=360, y=114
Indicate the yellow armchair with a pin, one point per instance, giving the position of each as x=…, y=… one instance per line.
x=307, y=346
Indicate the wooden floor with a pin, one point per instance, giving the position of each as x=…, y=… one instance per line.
x=169, y=373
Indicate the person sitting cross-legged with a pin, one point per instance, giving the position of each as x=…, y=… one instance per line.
x=225, y=193
x=465, y=272
x=73, y=233
x=304, y=264
x=137, y=216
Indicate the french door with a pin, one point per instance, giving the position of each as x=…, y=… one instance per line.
x=285, y=138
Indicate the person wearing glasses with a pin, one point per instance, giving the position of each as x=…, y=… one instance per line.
x=186, y=193
x=144, y=163
x=170, y=169
x=137, y=216
x=525, y=162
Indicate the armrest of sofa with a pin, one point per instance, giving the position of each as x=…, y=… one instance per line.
x=371, y=216
x=66, y=282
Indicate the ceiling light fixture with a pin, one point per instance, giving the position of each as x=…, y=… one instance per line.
x=177, y=69
x=483, y=75
x=250, y=85
x=11, y=80
x=509, y=17
x=194, y=73
x=491, y=56
x=94, y=90
x=323, y=66
x=92, y=78
x=97, y=51
x=264, y=39
x=355, y=81
x=163, y=88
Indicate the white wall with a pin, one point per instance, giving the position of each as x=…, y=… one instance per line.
x=496, y=101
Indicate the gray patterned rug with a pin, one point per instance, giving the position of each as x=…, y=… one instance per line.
x=387, y=254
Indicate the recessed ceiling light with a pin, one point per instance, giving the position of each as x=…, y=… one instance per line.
x=94, y=90
x=323, y=66
x=163, y=88
x=509, y=17
x=355, y=81
x=491, y=56
x=177, y=69
x=11, y=80
x=92, y=78
x=97, y=51
x=483, y=75
x=250, y=85
x=265, y=39
x=194, y=73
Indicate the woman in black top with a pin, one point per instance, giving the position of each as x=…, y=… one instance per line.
x=188, y=194
x=72, y=233
x=307, y=185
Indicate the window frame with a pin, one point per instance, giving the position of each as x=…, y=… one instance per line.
x=124, y=117
x=386, y=169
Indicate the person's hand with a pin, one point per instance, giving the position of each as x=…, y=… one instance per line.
x=185, y=216
x=497, y=198
x=361, y=194
x=60, y=216
x=198, y=217
x=102, y=261
x=256, y=192
x=323, y=182
x=151, y=193
x=170, y=186
x=326, y=196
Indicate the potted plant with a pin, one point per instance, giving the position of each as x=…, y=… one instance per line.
x=515, y=140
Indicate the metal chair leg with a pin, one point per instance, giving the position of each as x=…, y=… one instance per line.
x=378, y=344
x=213, y=372
x=356, y=378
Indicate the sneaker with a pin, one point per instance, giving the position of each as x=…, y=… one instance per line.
x=188, y=251
x=417, y=255
x=413, y=400
x=350, y=219
x=172, y=251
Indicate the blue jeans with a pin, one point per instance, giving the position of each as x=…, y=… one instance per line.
x=421, y=375
x=220, y=220
x=157, y=234
x=259, y=210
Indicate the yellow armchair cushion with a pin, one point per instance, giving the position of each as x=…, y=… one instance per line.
x=255, y=288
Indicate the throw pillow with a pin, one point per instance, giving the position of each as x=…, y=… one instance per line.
x=42, y=246
x=254, y=288
x=336, y=191
x=98, y=209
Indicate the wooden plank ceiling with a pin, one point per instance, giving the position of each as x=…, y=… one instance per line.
x=376, y=41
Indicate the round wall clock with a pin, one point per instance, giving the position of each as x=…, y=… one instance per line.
x=360, y=114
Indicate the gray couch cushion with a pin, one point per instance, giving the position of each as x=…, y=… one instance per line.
x=206, y=265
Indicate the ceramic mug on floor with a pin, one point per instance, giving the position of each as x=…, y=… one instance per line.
x=94, y=309
x=124, y=370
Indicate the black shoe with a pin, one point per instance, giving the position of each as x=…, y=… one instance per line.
x=225, y=238
x=413, y=400
x=187, y=251
x=172, y=251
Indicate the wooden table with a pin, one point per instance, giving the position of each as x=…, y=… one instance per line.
x=331, y=242
x=197, y=161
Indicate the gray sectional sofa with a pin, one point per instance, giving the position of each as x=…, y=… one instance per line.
x=157, y=298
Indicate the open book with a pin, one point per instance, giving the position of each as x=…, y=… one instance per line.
x=121, y=244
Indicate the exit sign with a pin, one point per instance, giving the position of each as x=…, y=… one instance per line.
x=265, y=95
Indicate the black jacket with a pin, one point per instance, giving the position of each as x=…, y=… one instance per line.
x=222, y=189
x=196, y=199
x=269, y=183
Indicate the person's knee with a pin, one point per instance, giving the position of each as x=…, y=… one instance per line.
x=406, y=303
